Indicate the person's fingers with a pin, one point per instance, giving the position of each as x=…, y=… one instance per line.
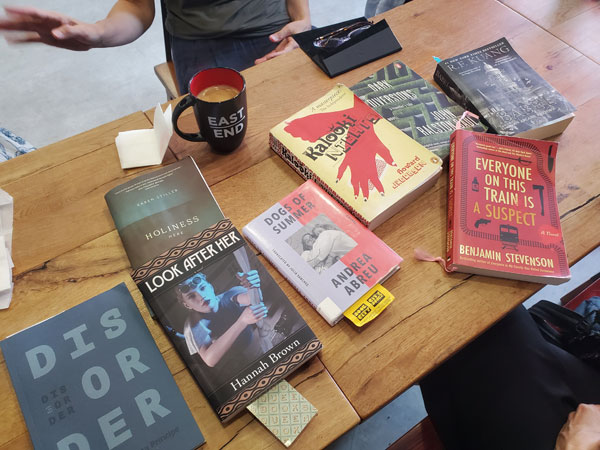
x=294, y=27
x=77, y=32
x=283, y=47
x=281, y=34
x=38, y=21
x=31, y=14
x=259, y=310
x=22, y=38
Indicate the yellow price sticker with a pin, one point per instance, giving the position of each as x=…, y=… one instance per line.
x=369, y=306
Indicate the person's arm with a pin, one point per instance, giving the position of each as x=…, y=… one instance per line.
x=249, y=280
x=299, y=12
x=212, y=354
x=320, y=250
x=582, y=430
x=126, y=21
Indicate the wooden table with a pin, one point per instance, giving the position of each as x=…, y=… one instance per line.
x=66, y=249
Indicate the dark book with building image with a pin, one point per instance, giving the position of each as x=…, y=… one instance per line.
x=157, y=210
x=495, y=83
x=229, y=320
x=415, y=106
x=92, y=377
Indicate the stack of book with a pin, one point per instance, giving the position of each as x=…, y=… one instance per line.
x=231, y=323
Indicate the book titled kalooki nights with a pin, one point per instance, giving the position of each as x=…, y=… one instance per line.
x=502, y=211
x=367, y=164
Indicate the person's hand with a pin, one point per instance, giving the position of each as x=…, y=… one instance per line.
x=51, y=28
x=249, y=280
x=582, y=430
x=253, y=313
x=285, y=39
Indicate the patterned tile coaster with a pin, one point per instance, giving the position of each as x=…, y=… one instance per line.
x=283, y=411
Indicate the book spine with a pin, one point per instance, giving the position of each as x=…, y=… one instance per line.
x=255, y=240
x=452, y=90
x=451, y=204
x=289, y=157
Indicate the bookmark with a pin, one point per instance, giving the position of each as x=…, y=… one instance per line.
x=284, y=411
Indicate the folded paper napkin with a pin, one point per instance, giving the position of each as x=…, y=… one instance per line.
x=284, y=411
x=138, y=148
x=6, y=264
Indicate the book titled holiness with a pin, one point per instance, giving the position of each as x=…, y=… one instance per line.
x=502, y=211
x=93, y=378
x=367, y=164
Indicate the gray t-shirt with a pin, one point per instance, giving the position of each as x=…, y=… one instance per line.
x=208, y=19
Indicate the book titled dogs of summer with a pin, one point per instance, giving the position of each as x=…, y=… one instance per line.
x=231, y=323
x=92, y=377
x=324, y=252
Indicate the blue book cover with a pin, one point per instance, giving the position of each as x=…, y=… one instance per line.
x=92, y=377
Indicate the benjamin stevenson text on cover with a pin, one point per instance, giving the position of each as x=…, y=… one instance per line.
x=502, y=209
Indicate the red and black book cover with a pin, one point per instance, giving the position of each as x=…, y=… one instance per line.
x=503, y=215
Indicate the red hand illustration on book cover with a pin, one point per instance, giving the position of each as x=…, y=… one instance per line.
x=362, y=145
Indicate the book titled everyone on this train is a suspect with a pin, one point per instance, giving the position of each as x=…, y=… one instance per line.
x=502, y=211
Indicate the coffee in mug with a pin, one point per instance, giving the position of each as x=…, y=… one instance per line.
x=218, y=96
x=218, y=93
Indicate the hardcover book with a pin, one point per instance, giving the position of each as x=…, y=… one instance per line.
x=157, y=210
x=361, y=159
x=233, y=326
x=415, y=106
x=92, y=377
x=328, y=256
x=502, y=211
x=495, y=83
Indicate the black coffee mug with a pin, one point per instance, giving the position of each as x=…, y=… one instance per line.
x=221, y=111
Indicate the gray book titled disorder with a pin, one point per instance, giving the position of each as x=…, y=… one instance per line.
x=93, y=378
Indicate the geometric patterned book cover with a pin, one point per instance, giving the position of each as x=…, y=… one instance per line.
x=284, y=411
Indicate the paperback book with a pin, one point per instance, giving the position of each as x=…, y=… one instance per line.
x=92, y=377
x=157, y=210
x=233, y=326
x=502, y=211
x=362, y=160
x=495, y=83
x=326, y=254
x=414, y=106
